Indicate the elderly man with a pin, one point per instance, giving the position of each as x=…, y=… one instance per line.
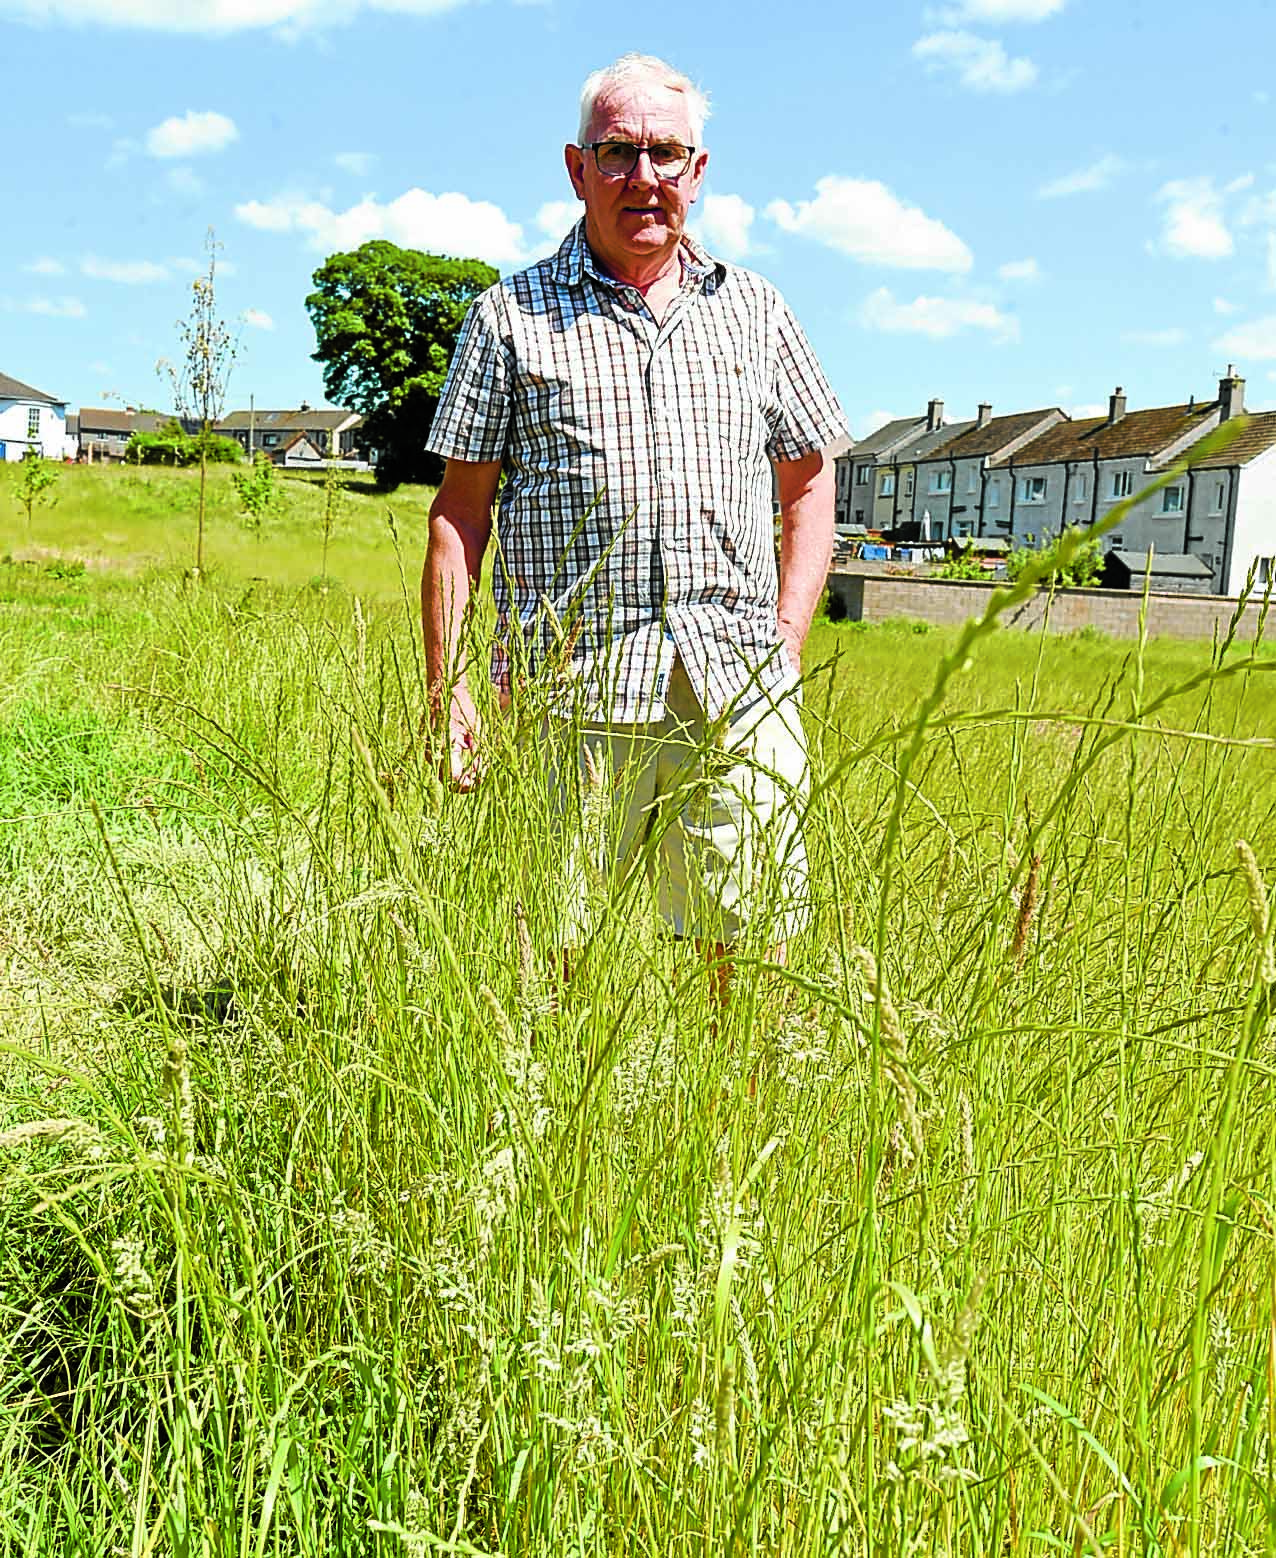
x=637, y=394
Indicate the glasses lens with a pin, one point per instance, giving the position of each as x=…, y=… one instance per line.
x=616, y=158
x=669, y=158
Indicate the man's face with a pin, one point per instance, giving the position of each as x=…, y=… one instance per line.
x=640, y=217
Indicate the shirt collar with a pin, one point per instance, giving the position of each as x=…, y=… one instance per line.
x=575, y=261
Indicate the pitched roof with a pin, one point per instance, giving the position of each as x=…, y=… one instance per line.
x=1256, y=437
x=105, y=419
x=1138, y=432
x=927, y=444
x=1177, y=565
x=15, y=389
x=996, y=433
x=889, y=433
x=286, y=421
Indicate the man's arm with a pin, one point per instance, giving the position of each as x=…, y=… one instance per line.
x=806, y=544
x=460, y=525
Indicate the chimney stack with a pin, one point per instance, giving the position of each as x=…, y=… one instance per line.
x=985, y=414
x=1231, y=394
x=934, y=416
x=1116, y=406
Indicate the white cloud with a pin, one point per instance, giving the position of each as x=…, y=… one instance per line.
x=45, y=266
x=873, y=421
x=1089, y=408
x=55, y=308
x=726, y=222
x=1271, y=262
x=1222, y=306
x=993, y=12
x=937, y=318
x=258, y=318
x=132, y=273
x=1257, y=339
x=450, y=223
x=1020, y=270
x=1084, y=181
x=192, y=135
x=1194, y=226
x=981, y=64
x=1168, y=337
x=864, y=219
x=557, y=217
x=211, y=16
x=357, y=162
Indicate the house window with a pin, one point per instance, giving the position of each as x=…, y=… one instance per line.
x=908, y=484
x=1172, y=500
x=941, y=481
x=1220, y=494
x=972, y=479
x=33, y=421
x=1032, y=489
x=269, y=440
x=1079, y=495
x=863, y=473
x=994, y=494
x=1266, y=573
x=1122, y=484
x=886, y=489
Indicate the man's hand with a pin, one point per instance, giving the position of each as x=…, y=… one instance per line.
x=462, y=764
x=792, y=641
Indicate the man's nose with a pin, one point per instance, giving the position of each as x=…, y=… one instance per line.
x=644, y=170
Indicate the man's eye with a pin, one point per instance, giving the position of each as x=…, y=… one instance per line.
x=668, y=154
x=616, y=156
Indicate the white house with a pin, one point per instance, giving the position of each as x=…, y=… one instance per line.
x=30, y=419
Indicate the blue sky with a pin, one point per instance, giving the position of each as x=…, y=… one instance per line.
x=1024, y=201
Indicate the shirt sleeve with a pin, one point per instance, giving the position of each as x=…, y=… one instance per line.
x=807, y=415
x=472, y=418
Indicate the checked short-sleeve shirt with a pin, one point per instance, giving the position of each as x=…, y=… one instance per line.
x=635, y=519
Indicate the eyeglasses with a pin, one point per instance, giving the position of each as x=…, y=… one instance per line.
x=618, y=159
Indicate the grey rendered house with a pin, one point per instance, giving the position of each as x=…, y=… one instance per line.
x=857, y=469
x=954, y=492
x=898, y=499
x=1074, y=474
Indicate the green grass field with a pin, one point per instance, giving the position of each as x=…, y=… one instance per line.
x=329, y=1226
x=132, y=520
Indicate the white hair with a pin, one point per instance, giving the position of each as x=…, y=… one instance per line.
x=647, y=67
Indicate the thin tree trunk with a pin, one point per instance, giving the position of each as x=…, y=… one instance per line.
x=199, y=539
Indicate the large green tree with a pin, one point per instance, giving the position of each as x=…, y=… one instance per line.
x=386, y=320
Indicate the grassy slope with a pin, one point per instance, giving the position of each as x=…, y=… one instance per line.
x=134, y=520
x=337, y=1229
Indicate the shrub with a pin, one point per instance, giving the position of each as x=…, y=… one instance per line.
x=1083, y=571
x=172, y=445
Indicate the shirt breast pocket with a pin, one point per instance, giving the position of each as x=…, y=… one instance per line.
x=728, y=401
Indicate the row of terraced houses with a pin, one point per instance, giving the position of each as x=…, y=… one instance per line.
x=1027, y=475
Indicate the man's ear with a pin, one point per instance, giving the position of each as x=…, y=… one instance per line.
x=575, y=160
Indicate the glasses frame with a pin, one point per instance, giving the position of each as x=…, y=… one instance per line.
x=638, y=149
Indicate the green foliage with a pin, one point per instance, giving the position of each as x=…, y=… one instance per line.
x=962, y=565
x=329, y=1224
x=171, y=445
x=258, y=489
x=38, y=476
x=1082, y=568
x=386, y=321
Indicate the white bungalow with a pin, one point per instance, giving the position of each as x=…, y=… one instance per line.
x=30, y=419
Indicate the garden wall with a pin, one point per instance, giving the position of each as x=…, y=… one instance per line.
x=876, y=597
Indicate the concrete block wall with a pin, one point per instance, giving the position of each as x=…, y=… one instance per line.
x=877, y=597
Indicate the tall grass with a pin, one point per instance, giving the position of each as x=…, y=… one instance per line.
x=331, y=1224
